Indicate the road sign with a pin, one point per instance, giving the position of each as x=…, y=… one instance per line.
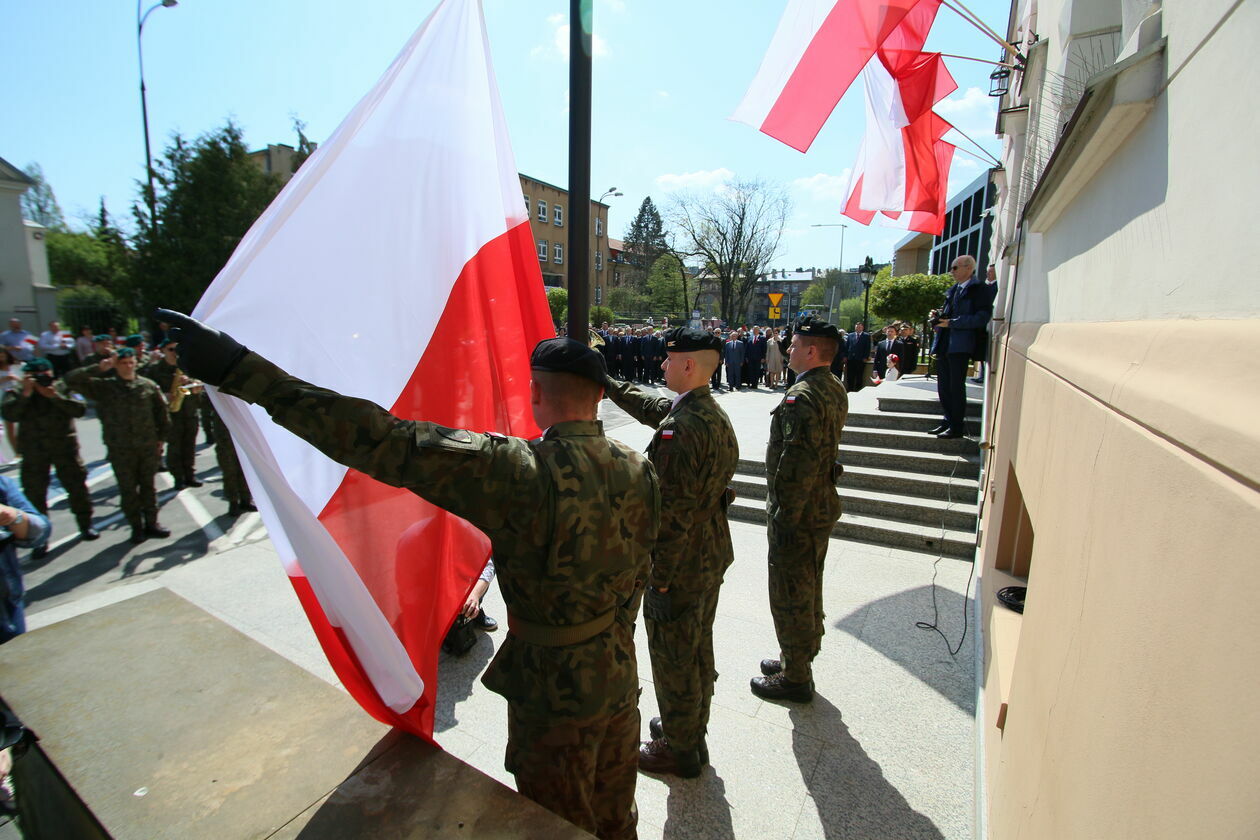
x=775, y=298
x=775, y=313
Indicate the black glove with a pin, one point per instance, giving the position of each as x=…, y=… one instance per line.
x=204, y=352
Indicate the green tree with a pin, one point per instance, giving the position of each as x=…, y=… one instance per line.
x=815, y=295
x=208, y=194
x=39, y=203
x=665, y=285
x=849, y=312
x=600, y=314
x=908, y=297
x=644, y=244
x=558, y=303
x=98, y=257
x=627, y=301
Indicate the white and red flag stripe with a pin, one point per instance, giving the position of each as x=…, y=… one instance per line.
x=398, y=266
x=818, y=50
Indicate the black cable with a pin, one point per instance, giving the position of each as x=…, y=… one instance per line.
x=936, y=612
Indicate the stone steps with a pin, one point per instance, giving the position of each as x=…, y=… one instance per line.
x=909, y=441
x=914, y=405
x=956, y=515
x=901, y=421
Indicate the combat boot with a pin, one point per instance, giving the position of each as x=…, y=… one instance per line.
x=771, y=666
x=86, y=531
x=153, y=528
x=657, y=756
x=779, y=687
x=656, y=730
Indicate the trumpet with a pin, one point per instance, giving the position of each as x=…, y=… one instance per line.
x=597, y=340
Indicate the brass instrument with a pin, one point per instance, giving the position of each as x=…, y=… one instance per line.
x=175, y=397
x=597, y=340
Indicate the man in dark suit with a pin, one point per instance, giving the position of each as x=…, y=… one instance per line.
x=961, y=333
x=634, y=350
x=857, y=351
x=883, y=349
x=755, y=356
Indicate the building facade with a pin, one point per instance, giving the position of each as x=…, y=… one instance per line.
x=1122, y=475
x=549, y=207
x=968, y=230
x=26, y=291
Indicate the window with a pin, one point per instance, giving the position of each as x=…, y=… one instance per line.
x=599, y=262
x=616, y=278
x=557, y=214
x=599, y=226
x=542, y=211
x=558, y=256
x=542, y=250
x=526, y=205
x=599, y=295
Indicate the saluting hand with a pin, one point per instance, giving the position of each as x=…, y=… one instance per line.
x=204, y=352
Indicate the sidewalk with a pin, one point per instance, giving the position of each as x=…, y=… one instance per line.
x=886, y=750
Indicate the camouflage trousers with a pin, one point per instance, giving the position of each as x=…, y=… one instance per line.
x=235, y=488
x=135, y=469
x=70, y=472
x=796, y=577
x=181, y=443
x=583, y=769
x=683, y=670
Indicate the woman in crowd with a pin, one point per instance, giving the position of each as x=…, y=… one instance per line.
x=10, y=378
x=774, y=359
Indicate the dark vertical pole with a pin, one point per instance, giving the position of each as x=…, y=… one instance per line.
x=579, y=168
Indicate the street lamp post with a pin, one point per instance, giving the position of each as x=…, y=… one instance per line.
x=150, y=197
x=599, y=283
x=843, y=228
x=868, y=277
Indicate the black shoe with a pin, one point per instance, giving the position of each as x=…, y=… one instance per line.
x=235, y=510
x=154, y=529
x=89, y=533
x=657, y=731
x=192, y=482
x=657, y=756
x=485, y=622
x=779, y=687
x=948, y=435
x=137, y=535
x=944, y=427
x=771, y=666
x=39, y=552
x=179, y=485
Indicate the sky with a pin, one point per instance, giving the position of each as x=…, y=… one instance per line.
x=667, y=76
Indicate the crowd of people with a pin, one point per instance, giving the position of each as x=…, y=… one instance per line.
x=146, y=405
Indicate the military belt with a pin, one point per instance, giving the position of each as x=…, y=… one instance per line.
x=552, y=635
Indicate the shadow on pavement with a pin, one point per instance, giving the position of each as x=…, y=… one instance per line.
x=100, y=563
x=850, y=793
x=698, y=808
x=190, y=547
x=888, y=626
x=455, y=680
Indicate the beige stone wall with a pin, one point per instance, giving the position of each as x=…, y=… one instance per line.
x=551, y=233
x=1132, y=703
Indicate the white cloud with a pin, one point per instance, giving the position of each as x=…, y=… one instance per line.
x=558, y=49
x=972, y=111
x=709, y=179
x=823, y=187
x=662, y=94
x=618, y=6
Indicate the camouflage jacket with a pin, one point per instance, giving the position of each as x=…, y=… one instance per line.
x=46, y=421
x=133, y=414
x=164, y=375
x=695, y=452
x=804, y=438
x=571, y=516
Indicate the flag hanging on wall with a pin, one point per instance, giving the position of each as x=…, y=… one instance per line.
x=398, y=266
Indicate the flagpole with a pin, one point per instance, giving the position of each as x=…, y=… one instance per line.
x=580, y=14
x=972, y=18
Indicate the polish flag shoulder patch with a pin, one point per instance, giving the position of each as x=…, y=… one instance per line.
x=667, y=434
x=790, y=399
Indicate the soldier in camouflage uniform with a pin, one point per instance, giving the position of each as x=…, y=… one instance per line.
x=134, y=422
x=181, y=441
x=235, y=488
x=802, y=506
x=47, y=411
x=572, y=518
x=102, y=348
x=694, y=452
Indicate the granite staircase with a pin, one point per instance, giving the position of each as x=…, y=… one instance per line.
x=902, y=487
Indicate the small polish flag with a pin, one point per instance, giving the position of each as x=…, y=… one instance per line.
x=667, y=434
x=791, y=399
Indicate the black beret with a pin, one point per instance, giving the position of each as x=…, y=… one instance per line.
x=125, y=352
x=812, y=327
x=687, y=340
x=564, y=355
x=37, y=366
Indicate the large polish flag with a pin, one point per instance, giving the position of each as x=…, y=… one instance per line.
x=818, y=50
x=398, y=266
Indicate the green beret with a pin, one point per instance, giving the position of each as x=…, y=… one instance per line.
x=687, y=340
x=564, y=355
x=103, y=337
x=165, y=342
x=37, y=366
x=134, y=340
x=125, y=352
x=812, y=327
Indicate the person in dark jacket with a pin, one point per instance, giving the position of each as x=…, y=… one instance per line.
x=961, y=334
x=857, y=351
